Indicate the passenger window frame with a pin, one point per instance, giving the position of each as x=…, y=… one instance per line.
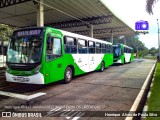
x=85, y=45
x=55, y=56
x=70, y=46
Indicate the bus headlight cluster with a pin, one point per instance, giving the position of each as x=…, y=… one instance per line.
x=37, y=69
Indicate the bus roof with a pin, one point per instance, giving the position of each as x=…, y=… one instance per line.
x=83, y=37
x=127, y=46
x=68, y=34
x=123, y=45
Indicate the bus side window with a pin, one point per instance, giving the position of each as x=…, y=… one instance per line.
x=53, y=48
x=111, y=51
x=82, y=46
x=57, y=46
x=91, y=47
x=70, y=44
x=98, y=47
x=49, y=45
x=122, y=51
x=104, y=48
x=132, y=51
x=108, y=49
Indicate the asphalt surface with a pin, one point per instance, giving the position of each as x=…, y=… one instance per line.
x=92, y=95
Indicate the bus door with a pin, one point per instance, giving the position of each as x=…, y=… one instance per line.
x=54, y=59
x=82, y=58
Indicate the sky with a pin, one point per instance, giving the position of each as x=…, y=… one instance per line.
x=131, y=11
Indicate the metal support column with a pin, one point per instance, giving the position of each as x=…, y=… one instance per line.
x=91, y=31
x=40, y=14
x=125, y=40
x=137, y=52
x=111, y=37
x=158, y=39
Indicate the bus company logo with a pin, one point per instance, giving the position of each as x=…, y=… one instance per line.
x=142, y=25
x=6, y=114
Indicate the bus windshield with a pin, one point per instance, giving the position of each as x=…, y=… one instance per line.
x=117, y=51
x=25, y=49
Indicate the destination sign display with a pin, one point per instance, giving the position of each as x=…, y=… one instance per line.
x=28, y=32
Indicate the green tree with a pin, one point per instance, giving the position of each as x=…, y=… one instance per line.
x=153, y=51
x=135, y=43
x=145, y=51
x=132, y=41
x=5, y=32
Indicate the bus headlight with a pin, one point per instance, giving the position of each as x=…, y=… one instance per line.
x=37, y=69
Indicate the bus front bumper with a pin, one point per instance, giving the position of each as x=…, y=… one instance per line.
x=34, y=79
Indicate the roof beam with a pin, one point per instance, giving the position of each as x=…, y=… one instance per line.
x=6, y=3
x=115, y=35
x=77, y=23
x=100, y=31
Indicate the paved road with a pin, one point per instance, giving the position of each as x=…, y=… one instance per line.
x=115, y=89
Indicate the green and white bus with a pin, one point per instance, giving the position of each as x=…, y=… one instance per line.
x=43, y=55
x=123, y=54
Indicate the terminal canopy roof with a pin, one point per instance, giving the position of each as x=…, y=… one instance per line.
x=70, y=15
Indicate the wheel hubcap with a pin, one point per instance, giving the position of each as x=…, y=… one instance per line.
x=68, y=75
x=102, y=66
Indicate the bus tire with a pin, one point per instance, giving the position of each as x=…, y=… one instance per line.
x=102, y=67
x=68, y=75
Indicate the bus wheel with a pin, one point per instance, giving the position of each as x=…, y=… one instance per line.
x=102, y=67
x=68, y=75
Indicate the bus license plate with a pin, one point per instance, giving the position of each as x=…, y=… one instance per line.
x=21, y=79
